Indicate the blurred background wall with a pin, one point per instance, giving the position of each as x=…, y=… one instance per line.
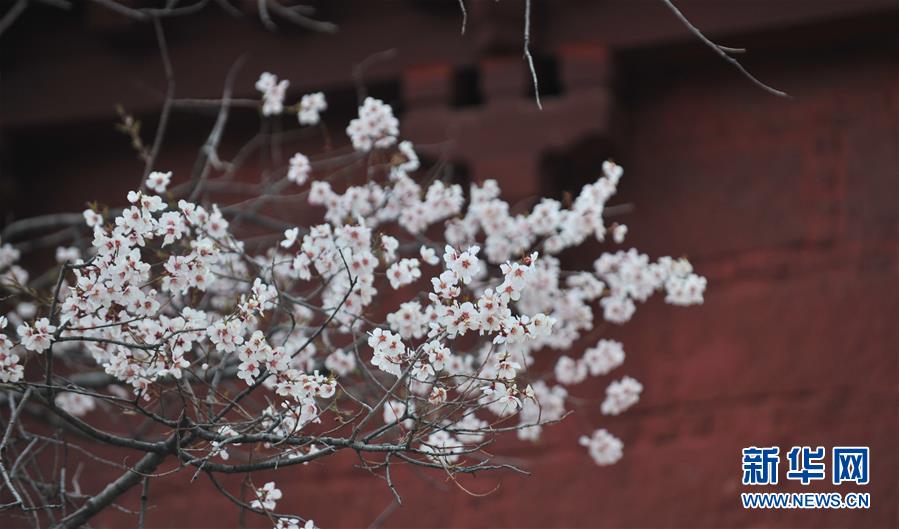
x=790, y=207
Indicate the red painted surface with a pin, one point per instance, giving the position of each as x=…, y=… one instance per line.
x=791, y=208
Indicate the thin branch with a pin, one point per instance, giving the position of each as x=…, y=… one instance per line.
x=209, y=151
x=169, y=96
x=464, y=15
x=113, y=490
x=144, y=497
x=14, y=417
x=722, y=51
x=527, y=51
x=379, y=521
x=17, y=9
x=365, y=64
x=42, y=223
x=293, y=15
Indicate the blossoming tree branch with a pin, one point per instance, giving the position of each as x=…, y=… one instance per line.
x=403, y=325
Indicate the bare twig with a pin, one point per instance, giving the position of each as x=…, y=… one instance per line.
x=294, y=15
x=169, y=96
x=12, y=14
x=365, y=64
x=379, y=521
x=527, y=51
x=464, y=15
x=723, y=51
x=144, y=498
x=113, y=490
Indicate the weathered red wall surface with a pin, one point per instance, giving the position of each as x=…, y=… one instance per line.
x=790, y=207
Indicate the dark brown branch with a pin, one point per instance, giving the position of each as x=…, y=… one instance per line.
x=125, y=482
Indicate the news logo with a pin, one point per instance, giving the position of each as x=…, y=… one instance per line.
x=805, y=465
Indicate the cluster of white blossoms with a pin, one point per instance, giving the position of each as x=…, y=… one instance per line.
x=403, y=272
x=299, y=169
x=596, y=361
x=8, y=255
x=273, y=93
x=311, y=107
x=267, y=497
x=76, y=403
x=10, y=368
x=603, y=447
x=621, y=395
x=38, y=336
x=158, y=181
x=67, y=254
x=288, y=522
x=473, y=291
x=376, y=126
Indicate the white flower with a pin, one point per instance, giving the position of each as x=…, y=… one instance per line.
x=469, y=429
x=267, y=497
x=389, y=245
x=171, y=226
x=341, y=363
x=403, y=272
x=287, y=523
x=36, y=337
x=273, y=92
x=294, y=523
x=501, y=397
x=92, y=218
x=606, y=356
x=619, y=232
x=218, y=447
x=311, y=105
x=428, y=255
x=507, y=369
x=226, y=335
x=8, y=255
x=621, y=395
x=290, y=237
x=409, y=321
x=395, y=410
x=617, y=309
x=266, y=81
x=438, y=354
x=10, y=368
x=67, y=254
x=409, y=163
x=75, y=403
x=604, y=448
x=376, y=126
x=299, y=169
x=445, y=285
x=685, y=291
x=465, y=264
x=438, y=395
x=569, y=371
x=389, y=351
x=159, y=181
x=443, y=447
x=612, y=171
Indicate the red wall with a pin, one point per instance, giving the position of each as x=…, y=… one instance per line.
x=791, y=209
